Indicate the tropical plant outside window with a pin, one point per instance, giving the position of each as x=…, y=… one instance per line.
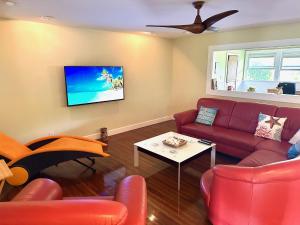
x=260, y=68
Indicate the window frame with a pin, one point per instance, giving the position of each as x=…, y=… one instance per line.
x=279, y=54
x=248, y=56
x=289, y=54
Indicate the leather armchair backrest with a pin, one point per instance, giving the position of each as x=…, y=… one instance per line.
x=256, y=196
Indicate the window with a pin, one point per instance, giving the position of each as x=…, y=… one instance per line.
x=290, y=68
x=260, y=68
x=273, y=65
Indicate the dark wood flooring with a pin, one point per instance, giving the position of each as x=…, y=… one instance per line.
x=166, y=206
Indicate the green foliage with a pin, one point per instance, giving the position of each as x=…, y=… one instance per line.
x=260, y=74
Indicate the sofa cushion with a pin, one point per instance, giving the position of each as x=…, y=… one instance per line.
x=295, y=138
x=206, y=115
x=231, y=150
x=262, y=157
x=245, y=115
x=275, y=146
x=294, y=151
x=198, y=131
x=237, y=138
x=292, y=124
x=270, y=127
x=224, y=107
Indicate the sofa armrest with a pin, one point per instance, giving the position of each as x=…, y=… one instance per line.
x=185, y=117
x=40, y=190
x=133, y=194
x=85, y=212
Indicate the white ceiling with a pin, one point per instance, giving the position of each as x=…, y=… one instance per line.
x=133, y=15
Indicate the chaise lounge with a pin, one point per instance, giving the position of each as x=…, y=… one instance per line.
x=26, y=161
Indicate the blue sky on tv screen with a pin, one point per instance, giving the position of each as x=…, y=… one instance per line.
x=91, y=78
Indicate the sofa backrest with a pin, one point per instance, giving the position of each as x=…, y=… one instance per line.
x=224, y=107
x=292, y=124
x=245, y=115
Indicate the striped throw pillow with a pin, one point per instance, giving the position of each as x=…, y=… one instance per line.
x=206, y=116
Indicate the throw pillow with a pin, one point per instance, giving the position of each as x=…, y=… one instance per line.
x=269, y=127
x=206, y=115
x=295, y=138
x=294, y=151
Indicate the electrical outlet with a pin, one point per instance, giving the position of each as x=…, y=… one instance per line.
x=51, y=133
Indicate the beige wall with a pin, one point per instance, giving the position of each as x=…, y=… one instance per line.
x=161, y=76
x=32, y=93
x=190, y=57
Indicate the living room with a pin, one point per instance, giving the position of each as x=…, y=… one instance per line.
x=166, y=71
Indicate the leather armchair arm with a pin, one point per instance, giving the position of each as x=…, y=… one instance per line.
x=40, y=190
x=185, y=118
x=132, y=193
x=79, y=212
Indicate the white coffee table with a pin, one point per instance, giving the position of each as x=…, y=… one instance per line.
x=174, y=156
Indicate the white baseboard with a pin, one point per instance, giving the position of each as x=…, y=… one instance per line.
x=119, y=130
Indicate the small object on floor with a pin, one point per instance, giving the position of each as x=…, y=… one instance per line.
x=103, y=135
x=204, y=141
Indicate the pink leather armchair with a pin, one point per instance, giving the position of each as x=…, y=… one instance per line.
x=41, y=202
x=264, y=195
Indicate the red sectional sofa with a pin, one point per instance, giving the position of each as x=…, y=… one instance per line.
x=234, y=127
x=264, y=187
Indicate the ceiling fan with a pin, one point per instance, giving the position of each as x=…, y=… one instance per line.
x=198, y=26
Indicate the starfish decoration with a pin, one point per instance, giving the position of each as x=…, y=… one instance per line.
x=273, y=122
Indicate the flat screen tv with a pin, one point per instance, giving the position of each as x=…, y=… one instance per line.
x=93, y=84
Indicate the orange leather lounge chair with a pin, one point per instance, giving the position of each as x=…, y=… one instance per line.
x=28, y=160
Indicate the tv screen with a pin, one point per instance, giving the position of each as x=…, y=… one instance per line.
x=92, y=84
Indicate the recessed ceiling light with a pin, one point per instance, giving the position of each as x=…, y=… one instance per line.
x=10, y=3
x=47, y=18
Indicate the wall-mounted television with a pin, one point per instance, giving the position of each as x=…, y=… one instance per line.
x=93, y=84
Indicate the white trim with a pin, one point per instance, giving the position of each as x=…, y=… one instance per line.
x=246, y=46
x=119, y=130
x=257, y=45
x=257, y=96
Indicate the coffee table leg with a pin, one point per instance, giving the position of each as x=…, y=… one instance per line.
x=213, y=156
x=136, y=156
x=178, y=182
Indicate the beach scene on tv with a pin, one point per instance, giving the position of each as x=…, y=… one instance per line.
x=91, y=84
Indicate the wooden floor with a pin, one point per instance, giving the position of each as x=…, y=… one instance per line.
x=165, y=204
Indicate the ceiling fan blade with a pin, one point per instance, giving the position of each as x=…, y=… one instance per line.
x=213, y=29
x=193, y=28
x=166, y=26
x=213, y=19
